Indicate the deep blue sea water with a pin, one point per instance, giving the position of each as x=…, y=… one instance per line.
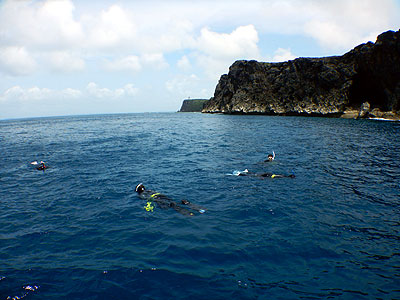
x=79, y=231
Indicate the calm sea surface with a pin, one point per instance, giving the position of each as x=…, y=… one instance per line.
x=79, y=231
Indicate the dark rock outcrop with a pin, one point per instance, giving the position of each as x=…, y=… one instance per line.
x=192, y=105
x=330, y=86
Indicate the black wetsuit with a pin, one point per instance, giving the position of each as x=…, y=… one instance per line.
x=165, y=202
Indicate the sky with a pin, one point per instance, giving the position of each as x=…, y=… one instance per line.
x=76, y=57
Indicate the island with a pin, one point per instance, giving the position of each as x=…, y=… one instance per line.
x=362, y=83
x=192, y=105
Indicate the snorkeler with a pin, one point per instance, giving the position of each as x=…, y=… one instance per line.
x=271, y=157
x=41, y=167
x=271, y=175
x=165, y=202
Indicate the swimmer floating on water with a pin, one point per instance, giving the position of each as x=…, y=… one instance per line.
x=41, y=167
x=271, y=175
x=165, y=202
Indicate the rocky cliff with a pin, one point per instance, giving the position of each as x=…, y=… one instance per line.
x=192, y=105
x=367, y=77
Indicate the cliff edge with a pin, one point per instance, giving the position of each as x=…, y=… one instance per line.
x=364, y=82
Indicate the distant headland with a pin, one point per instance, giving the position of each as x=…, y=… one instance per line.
x=192, y=105
x=362, y=83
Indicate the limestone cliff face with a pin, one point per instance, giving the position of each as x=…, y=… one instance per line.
x=315, y=86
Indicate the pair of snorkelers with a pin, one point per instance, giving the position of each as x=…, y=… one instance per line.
x=184, y=207
x=271, y=157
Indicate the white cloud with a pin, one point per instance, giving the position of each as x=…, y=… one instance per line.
x=94, y=90
x=135, y=63
x=16, y=61
x=59, y=24
x=173, y=35
x=343, y=24
x=112, y=28
x=130, y=90
x=17, y=93
x=41, y=24
x=70, y=93
x=98, y=92
x=329, y=34
x=283, y=55
x=54, y=26
x=36, y=93
x=134, y=36
x=128, y=63
x=217, y=51
x=240, y=42
x=30, y=94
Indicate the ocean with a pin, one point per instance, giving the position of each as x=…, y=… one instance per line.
x=78, y=230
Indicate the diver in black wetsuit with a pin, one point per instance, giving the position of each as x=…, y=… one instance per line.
x=271, y=175
x=41, y=166
x=165, y=202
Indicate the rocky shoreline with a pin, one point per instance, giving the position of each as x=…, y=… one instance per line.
x=363, y=83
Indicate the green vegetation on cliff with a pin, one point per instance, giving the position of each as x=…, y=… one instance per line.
x=192, y=105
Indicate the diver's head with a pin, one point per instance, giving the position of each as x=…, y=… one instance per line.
x=270, y=157
x=140, y=188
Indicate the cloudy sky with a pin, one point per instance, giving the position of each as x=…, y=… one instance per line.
x=68, y=57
